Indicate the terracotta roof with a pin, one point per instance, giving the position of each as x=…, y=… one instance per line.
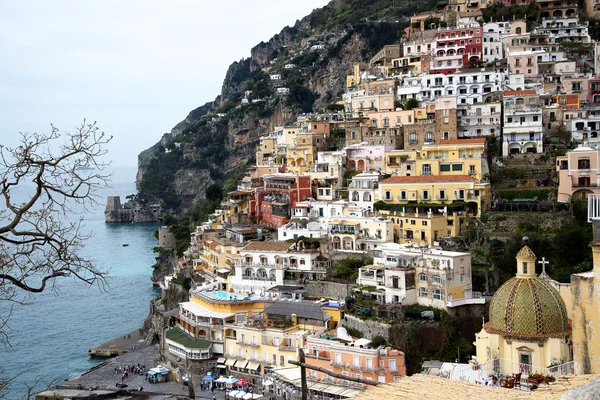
x=423, y=387
x=478, y=140
x=517, y=92
x=427, y=179
x=268, y=246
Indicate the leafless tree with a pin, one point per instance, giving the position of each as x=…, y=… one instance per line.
x=40, y=237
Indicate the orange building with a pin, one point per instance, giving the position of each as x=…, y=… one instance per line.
x=356, y=358
x=569, y=102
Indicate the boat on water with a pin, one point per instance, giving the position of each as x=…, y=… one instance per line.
x=125, y=244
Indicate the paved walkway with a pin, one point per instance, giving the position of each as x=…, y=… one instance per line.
x=105, y=377
x=119, y=345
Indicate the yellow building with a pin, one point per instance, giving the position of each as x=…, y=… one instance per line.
x=425, y=226
x=586, y=310
x=431, y=190
x=216, y=258
x=401, y=162
x=453, y=157
x=302, y=152
x=258, y=344
x=528, y=327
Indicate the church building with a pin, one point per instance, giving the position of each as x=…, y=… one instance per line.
x=528, y=321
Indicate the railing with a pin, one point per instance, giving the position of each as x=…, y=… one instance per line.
x=499, y=366
x=584, y=185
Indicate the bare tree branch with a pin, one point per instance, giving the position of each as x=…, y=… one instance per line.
x=40, y=238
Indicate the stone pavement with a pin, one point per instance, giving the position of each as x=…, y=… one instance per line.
x=119, y=345
x=105, y=377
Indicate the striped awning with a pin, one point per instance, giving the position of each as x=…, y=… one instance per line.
x=241, y=363
x=221, y=360
x=253, y=366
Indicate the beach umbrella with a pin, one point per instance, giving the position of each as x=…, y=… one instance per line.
x=231, y=380
x=243, y=382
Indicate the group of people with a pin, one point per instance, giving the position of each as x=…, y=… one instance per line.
x=136, y=369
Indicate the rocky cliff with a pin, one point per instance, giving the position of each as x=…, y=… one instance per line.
x=217, y=140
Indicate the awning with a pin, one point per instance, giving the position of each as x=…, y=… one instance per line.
x=221, y=366
x=241, y=363
x=267, y=383
x=223, y=270
x=221, y=360
x=230, y=362
x=200, y=311
x=253, y=366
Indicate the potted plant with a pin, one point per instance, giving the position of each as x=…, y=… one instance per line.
x=550, y=379
x=535, y=377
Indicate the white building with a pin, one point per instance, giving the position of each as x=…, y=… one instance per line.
x=476, y=120
x=566, y=29
x=523, y=129
x=264, y=264
x=363, y=188
x=422, y=275
x=359, y=234
x=469, y=86
x=492, y=40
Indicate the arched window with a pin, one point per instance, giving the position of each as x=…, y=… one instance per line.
x=422, y=292
x=281, y=361
x=422, y=277
x=366, y=196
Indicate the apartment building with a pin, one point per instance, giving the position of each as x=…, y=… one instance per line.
x=362, y=189
x=279, y=193
x=425, y=225
x=457, y=48
x=421, y=191
x=366, y=158
x=302, y=151
x=342, y=354
x=523, y=128
x=441, y=278
x=578, y=173
x=480, y=119
x=265, y=264
x=359, y=234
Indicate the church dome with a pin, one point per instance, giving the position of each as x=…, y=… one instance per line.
x=527, y=306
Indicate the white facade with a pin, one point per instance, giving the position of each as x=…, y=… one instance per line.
x=469, y=87
x=439, y=275
x=567, y=29
x=362, y=189
x=359, y=234
x=492, y=40
x=478, y=120
x=523, y=129
x=585, y=129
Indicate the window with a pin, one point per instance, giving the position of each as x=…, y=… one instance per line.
x=425, y=195
x=412, y=137
x=583, y=163
x=422, y=278
x=429, y=137
x=388, y=195
x=444, y=167
x=437, y=295
x=437, y=279
x=424, y=223
x=442, y=195
x=422, y=292
x=524, y=267
x=457, y=167
x=403, y=195
x=426, y=170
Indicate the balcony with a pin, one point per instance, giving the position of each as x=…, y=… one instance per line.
x=287, y=348
x=584, y=185
x=241, y=343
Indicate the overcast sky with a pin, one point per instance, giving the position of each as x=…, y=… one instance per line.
x=135, y=67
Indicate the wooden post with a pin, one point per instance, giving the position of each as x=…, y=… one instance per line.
x=302, y=361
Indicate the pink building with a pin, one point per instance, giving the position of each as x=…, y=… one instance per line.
x=578, y=173
x=366, y=158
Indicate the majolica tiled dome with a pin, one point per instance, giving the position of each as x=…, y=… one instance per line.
x=527, y=306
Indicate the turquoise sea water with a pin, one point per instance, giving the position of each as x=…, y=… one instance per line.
x=50, y=338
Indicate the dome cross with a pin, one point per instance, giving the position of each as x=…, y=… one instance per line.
x=544, y=263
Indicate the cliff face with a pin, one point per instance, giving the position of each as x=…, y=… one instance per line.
x=313, y=58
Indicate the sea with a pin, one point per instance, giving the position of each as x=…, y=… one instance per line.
x=50, y=338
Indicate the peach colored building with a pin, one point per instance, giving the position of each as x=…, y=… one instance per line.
x=356, y=358
x=578, y=173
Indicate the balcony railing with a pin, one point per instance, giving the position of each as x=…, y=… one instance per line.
x=584, y=185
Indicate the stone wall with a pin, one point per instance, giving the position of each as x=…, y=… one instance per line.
x=369, y=329
x=129, y=212
x=328, y=290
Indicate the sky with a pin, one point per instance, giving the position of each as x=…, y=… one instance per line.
x=135, y=67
